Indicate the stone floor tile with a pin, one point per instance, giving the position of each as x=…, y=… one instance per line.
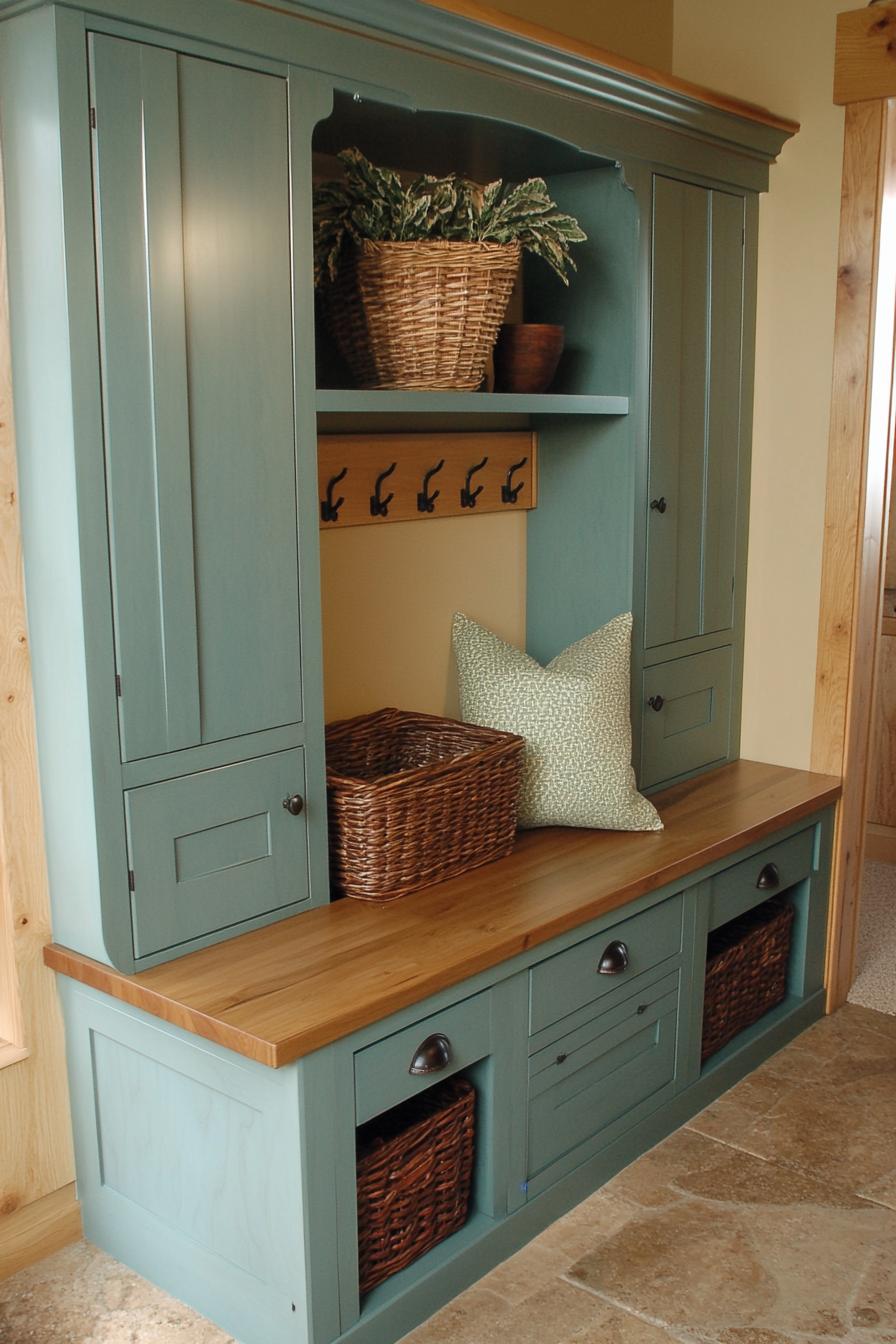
x=558, y=1313
x=752, y=1247
x=82, y=1296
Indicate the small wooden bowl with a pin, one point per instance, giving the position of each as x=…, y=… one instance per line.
x=526, y=356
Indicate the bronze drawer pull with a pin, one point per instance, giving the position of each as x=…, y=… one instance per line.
x=294, y=804
x=614, y=959
x=769, y=878
x=656, y=703
x=431, y=1056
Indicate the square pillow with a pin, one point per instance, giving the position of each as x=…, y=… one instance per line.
x=574, y=716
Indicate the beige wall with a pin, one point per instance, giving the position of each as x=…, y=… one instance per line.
x=780, y=53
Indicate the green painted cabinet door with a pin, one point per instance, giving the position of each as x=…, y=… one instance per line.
x=695, y=394
x=193, y=230
x=213, y=850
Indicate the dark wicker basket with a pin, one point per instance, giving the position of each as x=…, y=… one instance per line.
x=746, y=971
x=415, y=1167
x=415, y=799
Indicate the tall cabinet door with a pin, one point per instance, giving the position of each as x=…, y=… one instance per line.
x=696, y=323
x=192, y=209
x=694, y=551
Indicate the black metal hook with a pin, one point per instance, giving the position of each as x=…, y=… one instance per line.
x=379, y=508
x=329, y=508
x=426, y=502
x=509, y=491
x=469, y=497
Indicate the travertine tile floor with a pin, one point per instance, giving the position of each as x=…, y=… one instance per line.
x=770, y=1218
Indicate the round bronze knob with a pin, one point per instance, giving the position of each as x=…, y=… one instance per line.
x=431, y=1055
x=614, y=959
x=659, y=505
x=656, y=703
x=294, y=804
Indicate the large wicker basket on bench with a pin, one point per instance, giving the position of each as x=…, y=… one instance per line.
x=414, y=799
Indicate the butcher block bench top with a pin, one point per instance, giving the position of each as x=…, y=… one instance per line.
x=280, y=992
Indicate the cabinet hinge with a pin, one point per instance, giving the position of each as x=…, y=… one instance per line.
x=118, y=684
x=93, y=118
x=132, y=884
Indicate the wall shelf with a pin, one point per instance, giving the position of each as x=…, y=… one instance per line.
x=469, y=403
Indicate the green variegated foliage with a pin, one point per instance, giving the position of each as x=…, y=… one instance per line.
x=373, y=203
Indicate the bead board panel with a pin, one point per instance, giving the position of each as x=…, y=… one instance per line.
x=351, y=500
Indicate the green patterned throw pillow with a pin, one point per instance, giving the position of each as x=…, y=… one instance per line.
x=574, y=716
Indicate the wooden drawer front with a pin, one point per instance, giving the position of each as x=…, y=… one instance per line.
x=212, y=850
x=382, y=1070
x=571, y=979
x=690, y=726
x=780, y=866
x=582, y=1083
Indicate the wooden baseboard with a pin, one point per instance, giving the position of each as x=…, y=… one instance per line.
x=880, y=843
x=37, y=1230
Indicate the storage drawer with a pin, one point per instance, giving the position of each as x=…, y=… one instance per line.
x=754, y=880
x=382, y=1070
x=572, y=979
x=212, y=850
x=686, y=715
x=601, y=1071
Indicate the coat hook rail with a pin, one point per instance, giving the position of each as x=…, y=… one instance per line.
x=419, y=476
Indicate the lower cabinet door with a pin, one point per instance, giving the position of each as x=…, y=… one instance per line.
x=686, y=717
x=213, y=850
x=601, y=1078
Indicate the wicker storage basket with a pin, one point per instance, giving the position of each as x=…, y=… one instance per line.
x=415, y=799
x=420, y=315
x=746, y=971
x=415, y=1166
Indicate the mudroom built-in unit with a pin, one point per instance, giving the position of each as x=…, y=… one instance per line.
x=231, y=540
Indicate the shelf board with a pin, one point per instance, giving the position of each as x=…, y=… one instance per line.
x=470, y=403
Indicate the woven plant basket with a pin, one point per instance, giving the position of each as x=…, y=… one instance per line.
x=746, y=971
x=414, y=799
x=420, y=315
x=415, y=1166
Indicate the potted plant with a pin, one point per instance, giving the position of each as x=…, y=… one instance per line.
x=415, y=278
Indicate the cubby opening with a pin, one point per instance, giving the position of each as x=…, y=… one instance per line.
x=480, y=1212
x=755, y=972
x=540, y=580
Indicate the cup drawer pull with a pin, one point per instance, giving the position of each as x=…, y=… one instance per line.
x=431, y=1056
x=769, y=879
x=614, y=959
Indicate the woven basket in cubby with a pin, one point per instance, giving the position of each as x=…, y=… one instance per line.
x=746, y=971
x=421, y=315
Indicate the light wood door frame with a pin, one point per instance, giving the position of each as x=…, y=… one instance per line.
x=859, y=460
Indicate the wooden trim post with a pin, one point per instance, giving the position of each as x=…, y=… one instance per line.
x=855, y=514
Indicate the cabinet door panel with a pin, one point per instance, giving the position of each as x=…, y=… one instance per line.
x=237, y=265
x=212, y=850
x=723, y=412
x=691, y=724
x=680, y=334
x=696, y=340
x=137, y=173
x=194, y=251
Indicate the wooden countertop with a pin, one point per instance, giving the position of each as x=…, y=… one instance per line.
x=280, y=992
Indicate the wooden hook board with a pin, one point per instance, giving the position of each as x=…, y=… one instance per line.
x=352, y=498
